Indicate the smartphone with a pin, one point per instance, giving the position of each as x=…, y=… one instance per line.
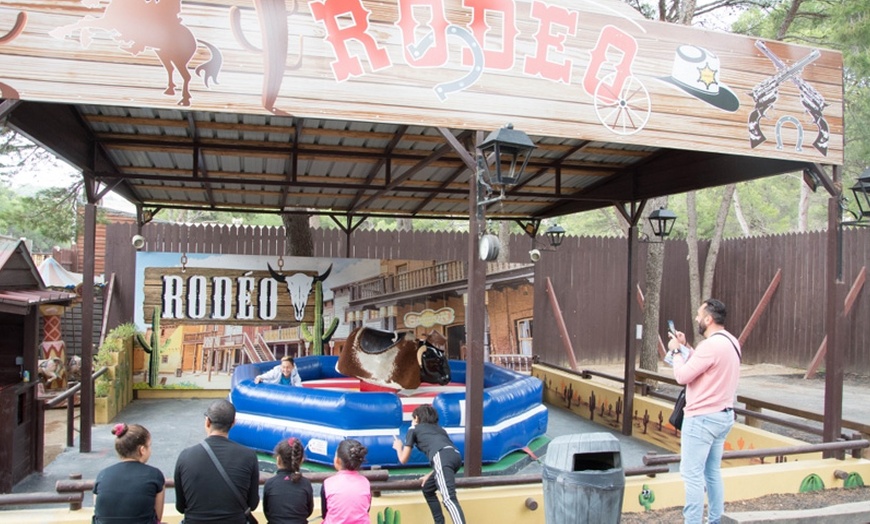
x=671, y=327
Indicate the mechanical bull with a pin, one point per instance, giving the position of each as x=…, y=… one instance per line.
x=394, y=360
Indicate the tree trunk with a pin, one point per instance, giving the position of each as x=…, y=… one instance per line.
x=803, y=207
x=299, y=240
x=716, y=243
x=692, y=243
x=738, y=211
x=701, y=290
x=404, y=224
x=504, y=237
x=649, y=352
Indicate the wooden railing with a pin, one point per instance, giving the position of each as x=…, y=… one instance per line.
x=69, y=397
x=516, y=362
x=654, y=459
x=72, y=490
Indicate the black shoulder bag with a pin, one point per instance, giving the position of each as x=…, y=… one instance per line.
x=676, y=418
x=248, y=515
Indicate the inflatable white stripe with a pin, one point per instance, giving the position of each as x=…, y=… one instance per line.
x=287, y=425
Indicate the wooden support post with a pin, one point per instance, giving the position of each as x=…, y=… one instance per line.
x=560, y=323
x=847, y=307
x=761, y=307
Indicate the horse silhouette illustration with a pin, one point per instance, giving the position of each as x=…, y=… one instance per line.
x=139, y=25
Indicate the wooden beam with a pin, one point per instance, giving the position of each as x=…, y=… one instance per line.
x=847, y=307
x=761, y=307
x=560, y=323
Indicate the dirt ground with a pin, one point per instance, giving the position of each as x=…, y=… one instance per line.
x=789, y=502
x=55, y=432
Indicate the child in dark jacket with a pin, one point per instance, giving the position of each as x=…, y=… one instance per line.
x=431, y=439
x=288, y=497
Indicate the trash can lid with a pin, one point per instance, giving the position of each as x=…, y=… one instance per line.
x=561, y=451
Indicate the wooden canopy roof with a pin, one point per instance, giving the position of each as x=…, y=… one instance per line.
x=376, y=109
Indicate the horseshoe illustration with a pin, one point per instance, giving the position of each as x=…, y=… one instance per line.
x=800, y=131
x=443, y=89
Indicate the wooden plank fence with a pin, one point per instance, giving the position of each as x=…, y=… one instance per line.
x=588, y=276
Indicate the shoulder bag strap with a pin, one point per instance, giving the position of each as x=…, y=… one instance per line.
x=226, y=477
x=739, y=356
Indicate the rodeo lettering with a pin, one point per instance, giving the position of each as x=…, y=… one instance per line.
x=346, y=23
x=219, y=298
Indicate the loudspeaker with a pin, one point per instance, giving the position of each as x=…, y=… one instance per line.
x=535, y=255
x=489, y=248
x=138, y=241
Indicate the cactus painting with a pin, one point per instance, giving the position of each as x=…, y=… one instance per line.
x=153, y=348
x=318, y=338
x=389, y=516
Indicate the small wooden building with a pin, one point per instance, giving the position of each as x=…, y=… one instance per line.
x=21, y=293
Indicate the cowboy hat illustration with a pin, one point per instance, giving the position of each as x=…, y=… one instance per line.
x=696, y=71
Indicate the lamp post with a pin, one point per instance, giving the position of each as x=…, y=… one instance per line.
x=662, y=222
x=861, y=191
x=555, y=234
x=508, y=150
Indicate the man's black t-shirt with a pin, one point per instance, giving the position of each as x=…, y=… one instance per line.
x=125, y=493
x=201, y=492
x=429, y=438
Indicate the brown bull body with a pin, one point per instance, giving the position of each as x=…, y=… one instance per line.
x=390, y=359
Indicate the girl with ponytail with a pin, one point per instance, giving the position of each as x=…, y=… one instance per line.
x=288, y=497
x=130, y=492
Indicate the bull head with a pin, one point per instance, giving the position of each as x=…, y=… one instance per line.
x=434, y=367
x=299, y=286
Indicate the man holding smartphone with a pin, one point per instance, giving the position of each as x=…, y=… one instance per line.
x=710, y=377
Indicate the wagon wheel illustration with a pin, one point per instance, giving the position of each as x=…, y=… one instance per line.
x=624, y=112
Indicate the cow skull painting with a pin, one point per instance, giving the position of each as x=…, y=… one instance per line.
x=299, y=285
x=394, y=360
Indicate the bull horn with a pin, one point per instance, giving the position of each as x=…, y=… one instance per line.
x=322, y=276
x=420, y=351
x=275, y=275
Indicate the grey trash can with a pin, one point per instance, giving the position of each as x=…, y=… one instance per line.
x=583, y=479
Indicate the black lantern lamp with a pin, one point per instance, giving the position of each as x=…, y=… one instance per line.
x=861, y=190
x=662, y=222
x=555, y=234
x=511, y=150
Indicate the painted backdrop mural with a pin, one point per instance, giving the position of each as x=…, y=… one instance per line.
x=202, y=315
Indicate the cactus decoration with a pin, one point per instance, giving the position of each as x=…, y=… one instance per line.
x=854, y=480
x=646, y=498
x=318, y=338
x=389, y=516
x=153, y=348
x=811, y=483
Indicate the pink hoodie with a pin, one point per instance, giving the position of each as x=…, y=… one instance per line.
x=711, y=374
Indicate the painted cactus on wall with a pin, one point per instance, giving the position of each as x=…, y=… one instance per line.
x=318, y=338
x=153, y=348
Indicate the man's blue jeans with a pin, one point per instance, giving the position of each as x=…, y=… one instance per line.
x=702, y=443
